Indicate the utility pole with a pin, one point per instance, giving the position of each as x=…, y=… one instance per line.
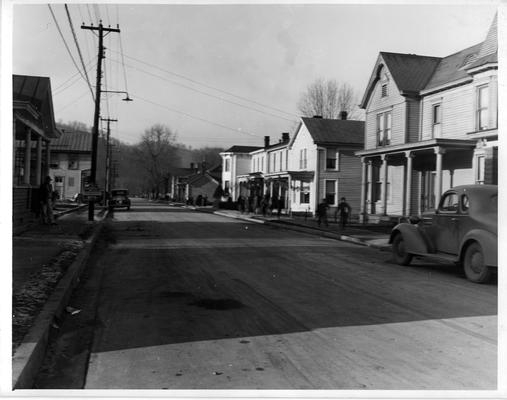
x=95, y=134
x=107, y=179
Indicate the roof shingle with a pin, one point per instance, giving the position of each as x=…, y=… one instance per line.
x=335, y=131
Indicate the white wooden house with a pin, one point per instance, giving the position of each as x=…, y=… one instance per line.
x=322, y=163
x=431, y=124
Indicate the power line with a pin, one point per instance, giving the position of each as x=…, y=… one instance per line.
x=64, y=42
x=194, y=117
x=77, y=74
x=207, y=94
x=72, y=102
x=79, y=51
x=211, y=87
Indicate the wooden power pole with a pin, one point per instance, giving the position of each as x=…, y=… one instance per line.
x=107, y=181
x=96, y=117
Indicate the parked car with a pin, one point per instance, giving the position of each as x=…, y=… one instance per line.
x=119, y=198
x=463, y=229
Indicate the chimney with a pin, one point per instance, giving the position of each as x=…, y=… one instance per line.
x=285, y=137
x=266, y=141
x=317, y=116
x=343, y=115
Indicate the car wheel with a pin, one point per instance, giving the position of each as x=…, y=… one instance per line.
x=400, y=255
x=473, y=263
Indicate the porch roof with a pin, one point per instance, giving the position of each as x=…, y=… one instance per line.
x=301, y=175
x=422, y=145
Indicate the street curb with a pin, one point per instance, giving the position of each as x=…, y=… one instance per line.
x=223, y=214
x=298, y=228
x=70, y=210
x=29, y=356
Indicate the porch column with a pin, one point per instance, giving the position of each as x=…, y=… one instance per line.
x=384, y=183
x=451, y=178
x=38, y=171
x=408, y=188
x=28, y=156
x=48, y=158
x=369, y=194
x=14, y=146
x=364, y=183
x=439, y=152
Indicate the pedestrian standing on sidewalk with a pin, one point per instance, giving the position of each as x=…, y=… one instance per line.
x=46, y=202
x=344, y=210
x=322, y=212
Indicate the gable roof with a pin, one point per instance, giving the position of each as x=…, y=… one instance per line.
x=335, y=131
x=242, y=149
x=73, y=142
x=411, y=72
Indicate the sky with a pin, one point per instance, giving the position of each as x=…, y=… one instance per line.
x=225, y=74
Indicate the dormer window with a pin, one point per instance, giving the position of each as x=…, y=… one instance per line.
x=482, y=108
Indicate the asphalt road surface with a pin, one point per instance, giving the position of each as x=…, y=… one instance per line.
x=179, y=299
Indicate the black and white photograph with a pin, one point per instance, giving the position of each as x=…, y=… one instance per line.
x=253, y=199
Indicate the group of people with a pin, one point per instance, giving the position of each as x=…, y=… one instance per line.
x=260, y=204
x=343, y=210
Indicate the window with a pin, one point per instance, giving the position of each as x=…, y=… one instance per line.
x=73, y=164
x=58, y=179
x=481, y=162
x=465, y=203
x=281, y=161
x=449, y=203
x=262, y=163
x=304, y=197
x=482, y=108
x=331, y=159
x=437, y=120
x=384, y=90
x=331, y=192
x=226, y=187
x=71, y=181
x=384, y=129
x=227, y=164
x=274, y=162
x=302, y=159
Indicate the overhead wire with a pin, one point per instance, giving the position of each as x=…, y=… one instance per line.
x=72, y=102
x=211, y=87
x=65, y=42
x=206, y=93
x=57, y=88
x=79, y=51
x=195, y=117
x=68, y=85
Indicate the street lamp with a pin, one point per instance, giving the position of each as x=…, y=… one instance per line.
x=127, y=98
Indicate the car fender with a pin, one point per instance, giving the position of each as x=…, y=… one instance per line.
x=415, y=241
x=488, y=242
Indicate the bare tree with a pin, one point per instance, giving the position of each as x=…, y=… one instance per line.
x=328, y=98
x=157, y=154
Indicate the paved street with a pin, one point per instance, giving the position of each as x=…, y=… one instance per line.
x=189, y=300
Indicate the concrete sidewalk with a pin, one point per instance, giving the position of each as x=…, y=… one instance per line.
x=371, y=235
x=47, y=261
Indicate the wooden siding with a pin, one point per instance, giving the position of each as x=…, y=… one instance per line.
x=413, y=120
x=459, y=107
x=24, y=205
x=393, y=102
x=348, y=177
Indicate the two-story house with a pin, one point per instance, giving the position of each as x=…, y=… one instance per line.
x=431, y=124
x=236, y=161
x=322, y=163
x=71, y=160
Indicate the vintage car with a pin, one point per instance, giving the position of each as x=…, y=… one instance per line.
x=463, y=229
x=119, y=198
